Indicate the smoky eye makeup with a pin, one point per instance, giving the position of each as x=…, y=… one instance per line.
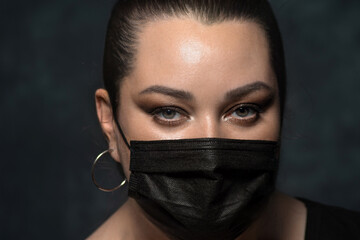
x=248, y=111
x=171, y=113
x=164, y=112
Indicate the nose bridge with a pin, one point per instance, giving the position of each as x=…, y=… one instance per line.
x=208, y=126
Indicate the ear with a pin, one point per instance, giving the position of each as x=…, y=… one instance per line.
x=106, y=120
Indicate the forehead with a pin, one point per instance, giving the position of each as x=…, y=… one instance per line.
x=186, y=53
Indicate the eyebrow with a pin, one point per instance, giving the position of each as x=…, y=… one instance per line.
x=243, y=91
x=175, y=93
x=236, y=93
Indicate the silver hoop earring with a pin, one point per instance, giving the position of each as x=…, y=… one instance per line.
x=93, y=175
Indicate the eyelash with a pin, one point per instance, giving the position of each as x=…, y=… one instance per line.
x=257, y=110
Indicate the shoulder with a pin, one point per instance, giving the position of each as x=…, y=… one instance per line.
x=330, y=222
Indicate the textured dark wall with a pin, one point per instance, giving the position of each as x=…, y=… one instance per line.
x=50, y=63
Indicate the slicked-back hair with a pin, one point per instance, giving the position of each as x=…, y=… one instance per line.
x=129, y=16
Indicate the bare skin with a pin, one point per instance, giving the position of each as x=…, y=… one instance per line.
x=190, y=81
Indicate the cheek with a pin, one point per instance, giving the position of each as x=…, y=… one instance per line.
x=135, y=126
x=125, y=162
x=133, y=121
x=139, y=125
x=124, y=115
x=123, y=154
x=269, y=127
x=267, y=130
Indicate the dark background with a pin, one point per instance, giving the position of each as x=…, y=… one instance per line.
x=50, y=63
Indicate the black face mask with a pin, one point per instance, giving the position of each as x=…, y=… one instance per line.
x=207, y=188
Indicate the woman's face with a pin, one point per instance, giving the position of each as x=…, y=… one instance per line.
x=196, y=81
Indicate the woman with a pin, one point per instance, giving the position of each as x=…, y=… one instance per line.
x=193, y=111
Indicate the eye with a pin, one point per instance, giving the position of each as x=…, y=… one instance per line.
x=244, y=113
x=169, y=115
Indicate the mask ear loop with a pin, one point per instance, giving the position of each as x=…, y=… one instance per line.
x=122, y=133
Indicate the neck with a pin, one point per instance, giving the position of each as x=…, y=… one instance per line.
x=139, y=225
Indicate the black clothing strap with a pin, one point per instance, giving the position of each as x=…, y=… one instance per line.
x=330, y=223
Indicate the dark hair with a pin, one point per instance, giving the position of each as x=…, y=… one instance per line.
x=128, y=16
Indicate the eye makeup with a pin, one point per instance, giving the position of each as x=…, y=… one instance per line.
x=243, y=114
x=169, y=112
x=255, y=106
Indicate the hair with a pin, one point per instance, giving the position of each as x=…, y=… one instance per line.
x=129, y=16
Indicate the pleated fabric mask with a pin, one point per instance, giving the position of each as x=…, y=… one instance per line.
x=205, y=188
